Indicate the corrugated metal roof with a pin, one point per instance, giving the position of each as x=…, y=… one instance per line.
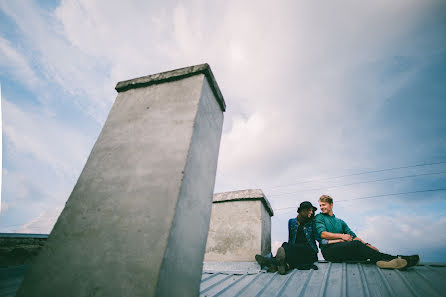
x=331, y=280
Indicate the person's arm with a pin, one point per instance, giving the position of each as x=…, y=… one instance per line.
x=317, y=236
x=331, y=236
x=334, y=241
x=320, y=225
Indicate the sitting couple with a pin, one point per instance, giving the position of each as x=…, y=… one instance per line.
x=337, y=243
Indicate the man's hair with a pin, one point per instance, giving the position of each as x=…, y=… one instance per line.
x=326, y=198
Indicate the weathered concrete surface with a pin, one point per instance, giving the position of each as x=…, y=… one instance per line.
x=139, y=214
x=240, y=227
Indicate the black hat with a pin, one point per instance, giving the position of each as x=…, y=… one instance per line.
x=306, y=205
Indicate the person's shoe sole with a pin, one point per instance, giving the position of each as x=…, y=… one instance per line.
x=280, y=258
x=397, y=263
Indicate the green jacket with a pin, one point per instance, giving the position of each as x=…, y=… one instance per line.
x=331, y=224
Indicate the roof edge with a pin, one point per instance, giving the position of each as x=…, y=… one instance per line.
x=23, y=235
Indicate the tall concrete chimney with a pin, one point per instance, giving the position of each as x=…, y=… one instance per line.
x=137, y=220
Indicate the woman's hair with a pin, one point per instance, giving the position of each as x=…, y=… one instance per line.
x=326, y=198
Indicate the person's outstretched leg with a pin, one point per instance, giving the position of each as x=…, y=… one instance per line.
x=370, y=253
x=386, y=260
x=356, y=251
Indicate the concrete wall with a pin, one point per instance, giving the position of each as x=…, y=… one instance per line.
x=240, y=228
x=139, y=213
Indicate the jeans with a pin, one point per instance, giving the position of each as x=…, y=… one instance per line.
x=299, y=253
x=353, y=251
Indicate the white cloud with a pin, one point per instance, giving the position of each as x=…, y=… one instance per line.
x=300, y=79
x=81, y=77
x=45, y=157
x=130, y=46
x=293, y=48
x=42, y=223
x=17, y=64
x=47, y=139
x=404, y=234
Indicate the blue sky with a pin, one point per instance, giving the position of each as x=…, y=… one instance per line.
x=313, y=91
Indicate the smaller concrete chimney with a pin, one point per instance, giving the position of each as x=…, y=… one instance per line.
x=240, y=227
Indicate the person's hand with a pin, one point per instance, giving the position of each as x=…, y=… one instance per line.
x=346, y=237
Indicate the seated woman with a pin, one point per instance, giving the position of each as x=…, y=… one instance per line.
x=301, y=250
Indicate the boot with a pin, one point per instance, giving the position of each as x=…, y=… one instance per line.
x=272, y=268
x=411, y=260
x=266, y=260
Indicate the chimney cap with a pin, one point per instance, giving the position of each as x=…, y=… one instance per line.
x=249, y=194
x=173, y=75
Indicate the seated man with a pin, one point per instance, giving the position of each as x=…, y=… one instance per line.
x=301, y=250
x=346, y=246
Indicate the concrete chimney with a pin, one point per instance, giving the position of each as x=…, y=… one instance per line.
x=240, y=227
x=137, y=220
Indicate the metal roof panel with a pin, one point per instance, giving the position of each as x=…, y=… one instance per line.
x=331, y=280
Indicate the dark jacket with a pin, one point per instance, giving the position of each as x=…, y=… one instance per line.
x=309, y=231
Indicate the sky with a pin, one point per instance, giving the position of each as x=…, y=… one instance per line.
x=346, y=98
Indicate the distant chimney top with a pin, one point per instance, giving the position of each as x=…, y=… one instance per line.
x=250, y=194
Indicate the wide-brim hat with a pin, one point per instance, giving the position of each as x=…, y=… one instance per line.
x=306, y=205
